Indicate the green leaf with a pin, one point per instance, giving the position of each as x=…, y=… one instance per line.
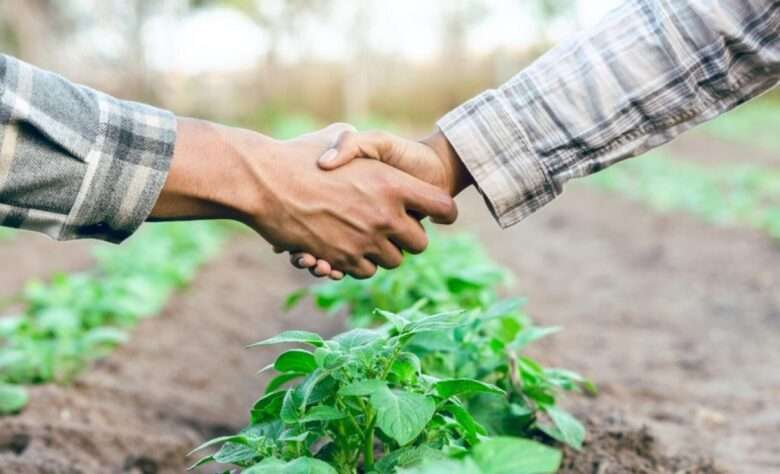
x=406, y=457
x=268, y=406
x=515, y=456
x=532, y=334
x=294, y=298
x=322, y=413
x=406, y=367
x=362, y=388
x=355, y=338
x=301, y=337
x=201, y=462
x=296, y=466
x=567, y=429
x=276, y=383
x=471, y=428
x=402, y=415
x=396, y=320
x=238, y=439
x=234, y=453
x=296, y=360
x=454, y=387
x=12, y=399
x=437, y=322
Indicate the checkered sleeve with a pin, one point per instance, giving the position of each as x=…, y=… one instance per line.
x=76, y=163
x=649, y=71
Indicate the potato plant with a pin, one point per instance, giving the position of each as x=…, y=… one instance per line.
x=455, y=273
x=363, y=403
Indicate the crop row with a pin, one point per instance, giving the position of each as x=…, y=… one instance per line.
x=432, y=378
x=722, y=194
x=73, y=319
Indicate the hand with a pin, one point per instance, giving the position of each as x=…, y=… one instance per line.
x=432, y=160
x=356, y=217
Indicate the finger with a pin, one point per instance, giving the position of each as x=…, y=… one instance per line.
x=333, y=132
x=336, y=275
x=351, y=145
x=410, y=236
x=428, y=200
x=303, y=260
x=321, y=269
x=387, y=256
x=363, y=269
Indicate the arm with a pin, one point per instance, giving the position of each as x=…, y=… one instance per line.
x=651, y=70
x=76, y=163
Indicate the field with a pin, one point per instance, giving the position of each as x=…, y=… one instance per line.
x=661, y=274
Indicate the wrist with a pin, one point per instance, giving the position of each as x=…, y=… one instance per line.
x=458, y=176
x=209, y=177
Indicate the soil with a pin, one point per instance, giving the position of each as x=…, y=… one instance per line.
x=676, y=320
x=704, y=148
x=36, y=256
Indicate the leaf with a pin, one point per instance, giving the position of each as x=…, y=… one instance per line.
x=296, y=360
x=505, y=455
x=396, y=320
x=472, y=429
x=276, y=383
x=301, y=337
x=406, y=367
x=454, y=387
x=567, y=429
x=201, y=462
x=437, y=322
x=362, y=388
x=406, y=457
x=268, y=406
x=355, y=338
x=234, y=453
x=12, y=399
x=322, y=413
x=294, y=298
x=402, y=415
x=296, y=466
x=238, y=439
x=532, y=334
x=502, y=308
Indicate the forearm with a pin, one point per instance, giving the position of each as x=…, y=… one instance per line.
x=648, y=72
x=208, y=177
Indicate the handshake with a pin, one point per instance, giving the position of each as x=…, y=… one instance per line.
x=311, y=197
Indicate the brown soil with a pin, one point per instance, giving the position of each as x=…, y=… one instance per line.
x=703, y=147
x=29, y=255
x=185, y=377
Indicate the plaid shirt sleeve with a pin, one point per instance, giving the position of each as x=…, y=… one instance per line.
x=76, y=163
x=649, y=71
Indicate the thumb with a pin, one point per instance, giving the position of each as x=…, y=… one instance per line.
x=351, y=145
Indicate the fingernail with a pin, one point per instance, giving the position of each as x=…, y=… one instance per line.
x=300, y=260
x=328, y=156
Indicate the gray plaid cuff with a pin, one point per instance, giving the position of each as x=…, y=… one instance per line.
x=495, y=149
x=126, y=170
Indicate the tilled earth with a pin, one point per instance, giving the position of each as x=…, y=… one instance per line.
x=676, y=320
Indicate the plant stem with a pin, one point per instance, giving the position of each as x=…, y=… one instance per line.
x=368, y=446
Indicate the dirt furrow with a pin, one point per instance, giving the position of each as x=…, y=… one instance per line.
x=678, y=321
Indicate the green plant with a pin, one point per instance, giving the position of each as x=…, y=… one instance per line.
x=365, y=404
x=76, y=318
x=455, y=273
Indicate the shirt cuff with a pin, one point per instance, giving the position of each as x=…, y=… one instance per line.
x=495, y=150
x=125, y=173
